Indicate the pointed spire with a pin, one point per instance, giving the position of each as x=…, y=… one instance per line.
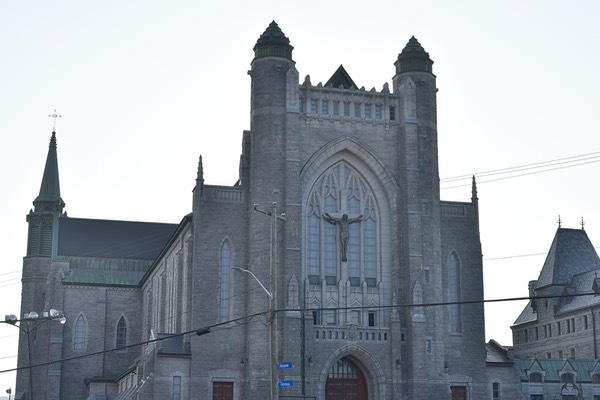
x=49, y=197
x=474, y=190
x=273, y=43
x=200, y=174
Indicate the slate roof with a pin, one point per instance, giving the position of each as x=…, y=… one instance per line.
x=341, y=78
x=571, y=253
x=527, y=315
x=105, y=252
x=582, y=283
x=80, y=237
x=573, y=263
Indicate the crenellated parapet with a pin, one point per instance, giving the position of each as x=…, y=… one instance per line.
x=339, y=100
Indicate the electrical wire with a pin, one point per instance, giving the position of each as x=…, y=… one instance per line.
x=211, y=328
x=518, y=171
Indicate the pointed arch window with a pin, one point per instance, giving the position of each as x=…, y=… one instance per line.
x=454, y=293
x=80, y=334
x=342, y=190
x=224, y=281
x=121, y=333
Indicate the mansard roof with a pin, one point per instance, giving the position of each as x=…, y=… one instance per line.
x=341, y=78
x=580, y=284
x=527, y=315
x=571, y=253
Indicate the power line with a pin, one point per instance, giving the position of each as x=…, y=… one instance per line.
x=518, y=171
x=211, y=328
x=541, y=164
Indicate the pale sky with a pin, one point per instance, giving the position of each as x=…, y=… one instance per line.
x=145, y=87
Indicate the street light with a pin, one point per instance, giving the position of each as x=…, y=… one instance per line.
x=272, y=213
x=256, y=279
x=32, y=321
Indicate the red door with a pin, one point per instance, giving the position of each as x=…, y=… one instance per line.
x=222, y=391
x=346, y=382
x=459, y=392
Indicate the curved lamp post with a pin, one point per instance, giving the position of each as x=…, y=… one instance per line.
x=29, y=323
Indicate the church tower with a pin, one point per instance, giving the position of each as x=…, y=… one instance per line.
x=38, y=289
x=337, y=215
x=48, y=206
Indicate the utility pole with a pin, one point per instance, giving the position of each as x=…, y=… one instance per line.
x=273, y=298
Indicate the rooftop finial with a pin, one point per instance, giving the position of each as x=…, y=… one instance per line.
x=582, y=224
x=559, y=221
x=55, y=116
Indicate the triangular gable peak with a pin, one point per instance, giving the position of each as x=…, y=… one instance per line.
x=595, y=373
x=341, y=79
x=535, y=367
x=568, y=369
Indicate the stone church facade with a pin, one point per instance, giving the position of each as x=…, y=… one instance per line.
x=333, y=257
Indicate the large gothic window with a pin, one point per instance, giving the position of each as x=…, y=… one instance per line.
x=224, y=283
x=342, y=225
x=454, y=293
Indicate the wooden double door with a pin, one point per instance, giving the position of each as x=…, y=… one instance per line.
x=346, y=381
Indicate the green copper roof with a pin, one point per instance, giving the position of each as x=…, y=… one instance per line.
x=273, y=43
x=413, y=58
x=105, y=271
x=49, y=198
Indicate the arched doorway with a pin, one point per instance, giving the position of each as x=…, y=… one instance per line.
x=346, y=381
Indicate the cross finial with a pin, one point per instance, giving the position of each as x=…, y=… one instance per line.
x=559, y=221
x=55, y=116
x=582, y=224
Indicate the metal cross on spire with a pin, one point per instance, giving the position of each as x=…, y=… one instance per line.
x=55, y=116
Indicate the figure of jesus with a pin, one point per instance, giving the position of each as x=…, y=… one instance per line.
x=344, y=222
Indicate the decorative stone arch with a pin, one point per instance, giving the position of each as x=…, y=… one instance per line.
x=357, y=154
x=370, y=367
x=382, y=187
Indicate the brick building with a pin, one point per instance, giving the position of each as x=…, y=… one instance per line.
x=337, y=214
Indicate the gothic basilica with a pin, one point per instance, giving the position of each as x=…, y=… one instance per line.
x=318, y=275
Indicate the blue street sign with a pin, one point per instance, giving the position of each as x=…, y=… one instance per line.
x=285, y=383
x=284, y=365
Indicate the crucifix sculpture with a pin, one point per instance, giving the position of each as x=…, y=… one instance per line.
x=344, y=221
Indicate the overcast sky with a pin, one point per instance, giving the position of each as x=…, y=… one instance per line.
x=146, y=87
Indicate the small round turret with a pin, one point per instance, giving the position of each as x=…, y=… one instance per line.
x=413, y=58
x=273, y=43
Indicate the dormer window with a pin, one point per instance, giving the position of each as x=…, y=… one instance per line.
x=535, y=377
